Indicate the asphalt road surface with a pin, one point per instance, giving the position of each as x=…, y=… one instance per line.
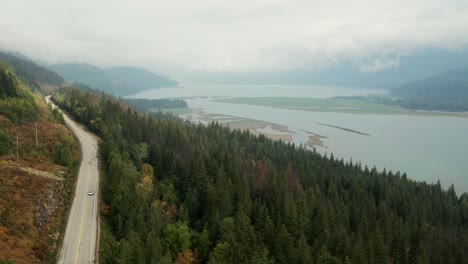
x=80, y=240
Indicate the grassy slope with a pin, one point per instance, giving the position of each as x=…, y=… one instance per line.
x=341, y=105
x=34, y=190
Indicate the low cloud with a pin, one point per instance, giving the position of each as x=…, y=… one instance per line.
x=231, y=36
x=377, y=64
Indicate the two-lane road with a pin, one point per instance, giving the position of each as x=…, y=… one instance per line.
x=80, y=240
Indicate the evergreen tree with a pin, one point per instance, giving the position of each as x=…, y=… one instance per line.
x=209, y=194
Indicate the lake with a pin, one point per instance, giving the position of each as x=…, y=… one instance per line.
x=427, y=148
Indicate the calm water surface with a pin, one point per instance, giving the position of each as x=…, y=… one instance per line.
x=426, y=148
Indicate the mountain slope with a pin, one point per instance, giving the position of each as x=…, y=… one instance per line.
x=37, y=156
x=446, y=91
x=77, y=72
x=452, y=83
x=116, y=80
x=31, y=74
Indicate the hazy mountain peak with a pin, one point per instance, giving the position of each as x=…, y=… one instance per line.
x=118, y=80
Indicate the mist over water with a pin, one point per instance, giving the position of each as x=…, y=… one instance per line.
x=234, y=90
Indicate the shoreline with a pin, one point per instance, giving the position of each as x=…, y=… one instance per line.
x=345, y=109
x=270, y=130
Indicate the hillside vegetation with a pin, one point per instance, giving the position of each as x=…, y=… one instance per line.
x=155, y=105
x=36, y=173
x=34, y=76
x=114, y=80
x=447, y=91
x=176, y=192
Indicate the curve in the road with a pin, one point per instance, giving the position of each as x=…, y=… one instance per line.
x=79, y=244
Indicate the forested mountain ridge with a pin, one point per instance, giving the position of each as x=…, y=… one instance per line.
x=447, y=91
x=37, y=167
x=34, y=76
x=115, y=80
x=178, y=192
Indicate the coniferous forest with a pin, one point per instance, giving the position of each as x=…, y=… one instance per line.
x=177, y=192
x=30, y=73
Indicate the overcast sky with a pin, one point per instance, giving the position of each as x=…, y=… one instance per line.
x=177, y=36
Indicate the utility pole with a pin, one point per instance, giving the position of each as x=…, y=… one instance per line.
x=17, y=151
x=37, y=143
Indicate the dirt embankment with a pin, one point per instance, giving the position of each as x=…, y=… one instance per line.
x=34, y=189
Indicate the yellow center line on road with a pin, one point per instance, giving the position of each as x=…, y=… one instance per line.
x=82, y=218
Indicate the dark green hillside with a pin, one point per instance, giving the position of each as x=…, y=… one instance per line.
x=30, y=73
x=173, y=191
x=16, y=101
x=115, y=80
x=447, y=91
